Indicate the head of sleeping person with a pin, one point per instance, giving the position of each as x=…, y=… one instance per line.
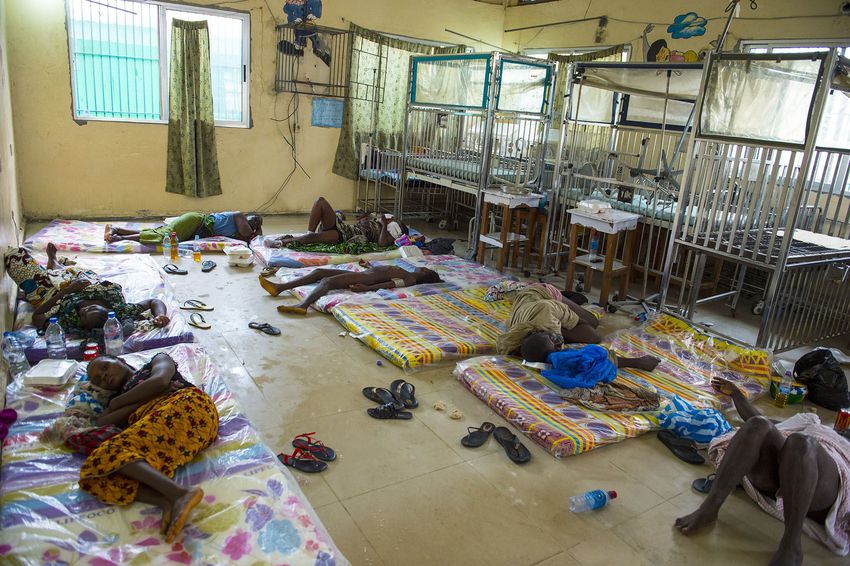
x=537, y=346
x=255, y=221
x=92, y=316
x=425, y=275
x=109, y=372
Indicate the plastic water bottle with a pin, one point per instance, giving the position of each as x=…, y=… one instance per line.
x=166, y=247
x=596, y=499
x=594, y=248
x=196, y=248
x=15, y=356
x=55, y=338
x=783, y=389
x=174, y=250
x=113, y=336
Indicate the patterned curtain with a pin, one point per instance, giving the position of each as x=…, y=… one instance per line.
x=614, y=54
x=370, y=48
x=192, y=167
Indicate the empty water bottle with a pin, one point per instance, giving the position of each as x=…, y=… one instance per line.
x=55, y=338
x=596, y=499
x=166, y=247
x=14, y=354
x=113, y=336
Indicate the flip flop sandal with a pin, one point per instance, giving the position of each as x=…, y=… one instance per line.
x=703, y=485
x=195, y=305
x=302, y=461
x=208, y=266
x=314, y=446
x=173, y=269
x=389, y=411
x=198, y=321
x=685, y=450
x=265, y=327
x=477, y=435
x=515, y=449
x=268, y=272
x=382, y=396
x=404, y=392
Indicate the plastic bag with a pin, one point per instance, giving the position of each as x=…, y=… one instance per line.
x=820, y=372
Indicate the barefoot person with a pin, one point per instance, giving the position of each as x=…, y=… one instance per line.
x=542, y=320
x=325, y=226
x=167, y=421
x=381, y=277
x=798, y=471
x=228, y=224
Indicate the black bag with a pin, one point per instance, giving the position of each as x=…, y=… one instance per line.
x=822, y=375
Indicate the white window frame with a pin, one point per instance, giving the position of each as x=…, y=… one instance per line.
x=163, y=35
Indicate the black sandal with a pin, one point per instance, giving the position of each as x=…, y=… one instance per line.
x=685, y=450
x=703, y=485
x=404, y=392
x=303, y=461
x=173, y=269
x=265, y=327
x=515, y=449
x=381, y=396
x=389, y=411
x=208, y=266
x=477, y=435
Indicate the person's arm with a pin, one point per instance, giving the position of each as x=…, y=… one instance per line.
x=385, y=239
x=243, y=229
x=361, y=288
x=119, y=416
x=163, y=369
x=742, y=404
x=158, y=310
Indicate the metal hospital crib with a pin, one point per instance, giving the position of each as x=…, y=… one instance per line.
x=474, y=121
x=622, y=141
x=766, y=190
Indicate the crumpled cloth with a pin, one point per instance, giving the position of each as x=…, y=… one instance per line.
x=584, y=367
x=686, y=421
x=76, y=428
x=834, y=533
x=617, y=396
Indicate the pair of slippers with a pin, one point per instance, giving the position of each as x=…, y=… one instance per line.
x=173, y=269
x=310, y=455
x=197, y=319
x=392, y=402
x=7, y=417
x=515, y=450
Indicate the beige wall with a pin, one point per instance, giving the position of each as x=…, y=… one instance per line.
x=582, y=34
x=118, y=169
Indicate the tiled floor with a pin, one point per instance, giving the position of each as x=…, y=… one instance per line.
x=407, y=492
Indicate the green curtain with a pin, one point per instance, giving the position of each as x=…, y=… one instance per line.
x=192, y=168
x=371, y=50
x=614, y=54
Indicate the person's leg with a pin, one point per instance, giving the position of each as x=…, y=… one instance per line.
x=809, y=481
x=581, y=333
x=343, y=280
x=585, y=315
x=645, y=363
x=275, y=289
x=752, y=452
x=321, y=213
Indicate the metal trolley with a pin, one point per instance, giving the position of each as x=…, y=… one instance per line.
x=474, y=121
x=761, y=196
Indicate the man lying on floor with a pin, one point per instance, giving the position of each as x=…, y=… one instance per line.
x=325, y=226
x=374, y=278
x=228, y=224
x=542, y=319
x=78, y=298
x=798, y=471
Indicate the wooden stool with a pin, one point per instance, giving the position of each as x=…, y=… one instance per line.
x=610, y=222
x=505, y=238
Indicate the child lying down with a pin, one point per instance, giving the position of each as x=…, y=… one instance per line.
x=374, y=278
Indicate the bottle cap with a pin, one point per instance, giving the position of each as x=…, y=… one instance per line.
x=110, y=314
x=5, y=334
x=197, y=236
x=53, y=319
x=612, y=494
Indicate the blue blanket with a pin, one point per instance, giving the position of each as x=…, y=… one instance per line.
x=580, y=368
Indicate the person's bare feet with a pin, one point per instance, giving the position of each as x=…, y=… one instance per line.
x=270, y=287
x=697, y=520
x=181, y=508
x=293, y=309
x=788, y=554
x=646, y=363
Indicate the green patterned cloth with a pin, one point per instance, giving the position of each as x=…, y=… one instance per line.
x=350, y=248
x=192, y=164
x=103, y=292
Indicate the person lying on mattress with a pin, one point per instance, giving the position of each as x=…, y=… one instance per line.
x=328, y=227
x=78, y=298
x=798, y=471
x=228, y=224
x=373, y=279
x=166, y=422
x=542, y=319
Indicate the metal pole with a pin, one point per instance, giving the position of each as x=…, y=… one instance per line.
x=484, y=177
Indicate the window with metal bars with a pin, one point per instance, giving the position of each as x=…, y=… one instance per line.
x=120, y=50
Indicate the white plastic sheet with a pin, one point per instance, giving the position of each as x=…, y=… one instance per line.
x=522, y=87
x=451, y=80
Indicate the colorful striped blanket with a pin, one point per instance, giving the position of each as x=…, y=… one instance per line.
x=253, y=511
x=81, y=236
x=456, y=273
x=689, y=359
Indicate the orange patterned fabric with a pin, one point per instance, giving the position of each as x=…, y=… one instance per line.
x=166, y=432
